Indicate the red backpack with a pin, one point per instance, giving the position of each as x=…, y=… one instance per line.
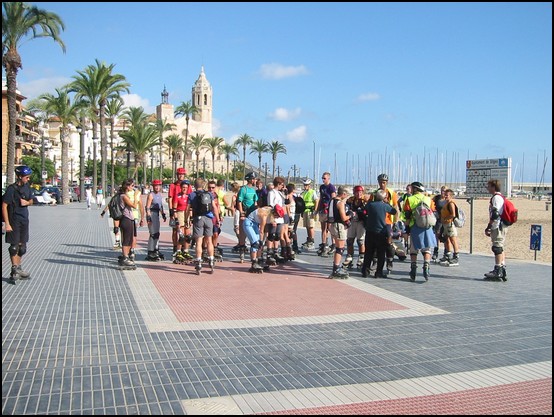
x=509, y=214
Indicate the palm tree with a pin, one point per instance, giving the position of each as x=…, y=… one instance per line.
x=228, y=149
x=109, y=85
x=19, y=22
x=163, y=126
x=244, y=141
x=59, y=107
x=260, y=147
x=274, y=148
x=140, y=139
x=174, y=143
x=114, y=108
x=212, y=144
x=98, y=85
x=186, y=109
x=86, y=89
x=197, y=143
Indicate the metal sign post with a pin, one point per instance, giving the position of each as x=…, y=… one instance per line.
x=536, y=237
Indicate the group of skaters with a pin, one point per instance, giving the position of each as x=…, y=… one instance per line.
x=268, y=218
x=380, y=223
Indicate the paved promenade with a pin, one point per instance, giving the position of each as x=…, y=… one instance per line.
x=82, y=337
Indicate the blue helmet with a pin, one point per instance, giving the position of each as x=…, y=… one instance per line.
x=23, y=171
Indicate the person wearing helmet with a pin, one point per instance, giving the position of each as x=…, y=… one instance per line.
x=391, y=198
x=246, y=203
x=421, y=238
x=174, y=190
x=15, y=213
x=310, y=203
x=154, y=209
x=356, y=232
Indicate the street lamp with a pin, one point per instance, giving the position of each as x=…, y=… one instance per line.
x=42, y=156
x=81, y=130
x=94, y=164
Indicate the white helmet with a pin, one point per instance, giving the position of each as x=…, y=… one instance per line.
x=307, y=181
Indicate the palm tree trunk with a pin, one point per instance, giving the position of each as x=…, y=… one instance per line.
x=213, y=165
x=112, y=179
x=104, y=147
x=12, y=117
x=260, y=164
x=243, y=162
x=273, y=171
x=186, y=142
x=65, y=157
x=227, y=176
x=94, y=160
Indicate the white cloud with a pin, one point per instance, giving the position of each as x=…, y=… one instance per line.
x=278, y=71
x=368, y=97
x=284, y=115
x=35, y=88
x=297, y=134
x=134, y=100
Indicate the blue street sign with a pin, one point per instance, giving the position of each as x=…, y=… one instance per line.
x=536, y=236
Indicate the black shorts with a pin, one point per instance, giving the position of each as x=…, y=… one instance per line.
x=128, y=231
x=20, y=233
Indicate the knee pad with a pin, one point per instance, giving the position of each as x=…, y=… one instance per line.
x=22, y=249
x=339, y=251
x=155, y=236
x=13, y=249
x=426, y=250
x=360, y=242
x=350, y=242
x=115, y=230
x=497, y=250
x=254, y=247
x=273, y=237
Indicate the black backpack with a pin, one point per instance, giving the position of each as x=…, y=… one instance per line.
x=114, y=206
x=300, y=205
x=203, y=203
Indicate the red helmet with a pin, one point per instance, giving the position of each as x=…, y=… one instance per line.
x=181, y=171
x=358, y=188
x=157, y=182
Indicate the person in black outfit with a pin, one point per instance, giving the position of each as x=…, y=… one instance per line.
x=15, y=212
x=376, y=236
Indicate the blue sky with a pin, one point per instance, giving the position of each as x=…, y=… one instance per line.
x=387, y=83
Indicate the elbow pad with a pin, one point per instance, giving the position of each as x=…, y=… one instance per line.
x=494, y=214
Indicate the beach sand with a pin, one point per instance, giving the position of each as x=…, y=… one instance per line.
x=530, y=212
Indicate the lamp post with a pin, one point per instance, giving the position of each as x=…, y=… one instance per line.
x=81, y=130
x=42, y=156
x=71, y=185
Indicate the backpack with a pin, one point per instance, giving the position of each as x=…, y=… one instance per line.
x=459, y=218
x=114, y=206
x=203, y=203
x=509, y=214
x=424, y=216
x=300, y=204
